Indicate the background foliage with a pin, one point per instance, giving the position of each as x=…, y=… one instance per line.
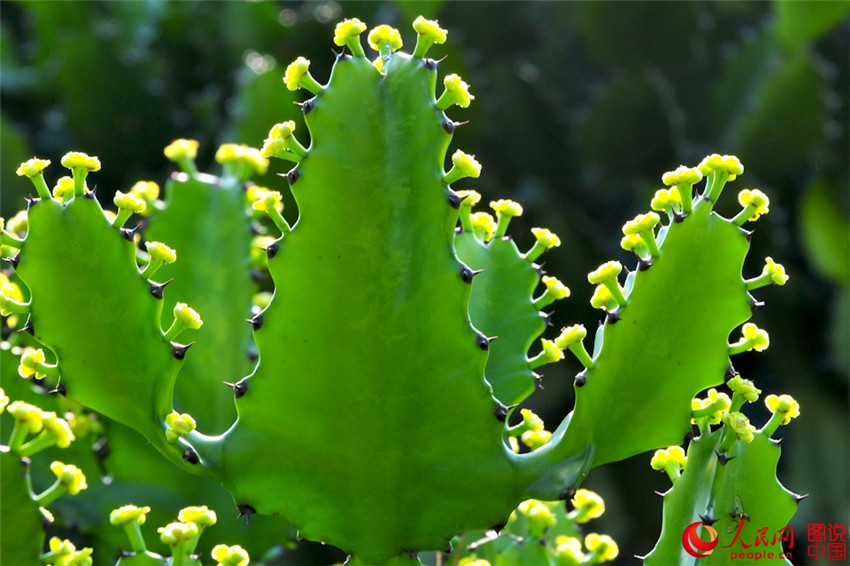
x=580, y=107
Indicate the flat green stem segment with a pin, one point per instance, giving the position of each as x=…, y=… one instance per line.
x=204, y=221
x=91, y=307
x=745, y=491
x=669, y=344
x=502, y=306
x=368, y=422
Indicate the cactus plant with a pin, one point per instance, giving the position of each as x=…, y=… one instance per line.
x=399, y=340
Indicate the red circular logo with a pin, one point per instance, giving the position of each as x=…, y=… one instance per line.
x=694, y=545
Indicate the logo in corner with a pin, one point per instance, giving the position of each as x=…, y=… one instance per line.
x=694, y=544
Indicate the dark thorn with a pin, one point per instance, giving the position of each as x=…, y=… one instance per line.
x=723, y=459
x=658, y=493
x=755, y=304
x=308, y=105
x=441, y=59
x=449, y=549
x=271, y=251
x=500, y=411
x=612, y=317
x=258, y=276
x=468, y=274
x=538, y=380
x=293, y=175
x=179, y=350
x=449, y=126
x=644, y=264
x=678, y=217
x=190, y=456
x=688, y=437
x=252, y=354
x=256, y=321
x=101, y=448
x=13, y=261
x=707, y=519
x=157, y=288
x=239, y=388
x=798, y=497
x=483, y=342
x=430, y=64
x=341, y=56
x=129, y=234
x=454, y=200
x=90, y=194
x=60, y=389
x=567, y=493
x=730, y=372
x=580, y=379
x=776, y=441
x=748, y=234
x=245, y=511
x=31, y=202
x=547, y=318
x=27, y=327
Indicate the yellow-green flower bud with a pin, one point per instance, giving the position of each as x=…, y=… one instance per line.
x=431, y=29
x=666, y=200
x=268, y=201
x=187, y=316
x=11, y=299
x=567, y=551
x=175, y=533
x=602, y=546
x=682, y=175
x=740, y=425
x=551, y=352
x=457, y=92
x=641, y=223
x=711, y=409
x=127, y=514
x=58, y=430
x=148, y=191
x=463, y=165
x=295, y=72
x=230, y=555
x=534, y=439
x=470, y=197
x=178, y=425
x=243, y=160
x=201, y=516
x=540, y=517
x=385, y=35
x=726, y=163
x=606, y=272
x=571, y=335
x=775, y=271
x=130, y=202
x=665, y=456
x=160, y=252
x=64, y=189
x=603, y=299
x=506, y=207
x=69, y=476
x=484, y=225
x=181, y=149
x=4, y=400
x=744, y=388
x=587, y=505
x=546, y=238
x=555, y=291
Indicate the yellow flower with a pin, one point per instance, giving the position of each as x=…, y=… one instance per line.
x=534, y=439
x=275, y=143
x=295, y=72
x=181, y=149
x=201, y=516
x=728, y=163
x=187, y=316
x=589, y=504
x=70, y=476
x=64, y=189
x=603, y=544
x=485, y=223
x=469, y=197
x=740, y=424
x=458, y=91
x=32, y=167
x=30, y=360
x=385, y=34
x=568, y=551
x=758, y=338
x=554, y=288
x=674, y=455
x=242, y=155
x=540, y=516
x=127, y=514
x=268, y=200
x=466, y=164
x=230, y=555
x=4, y=400
x=783, y=404
x=603, y=299
x=26, y=415
x=160, y=252
x=74, y=159
x=682, y=175
x=147, y=190
x=641, y=223
x=347, y=29
x=58, y=428
x=757, y=199
x=571, y=335
x=174, y=533
x=744, y=388
x=551, y=352
x=506, y=207
x=775, y=271
x=546, y=238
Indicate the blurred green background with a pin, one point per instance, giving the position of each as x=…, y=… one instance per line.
x=579, y=109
